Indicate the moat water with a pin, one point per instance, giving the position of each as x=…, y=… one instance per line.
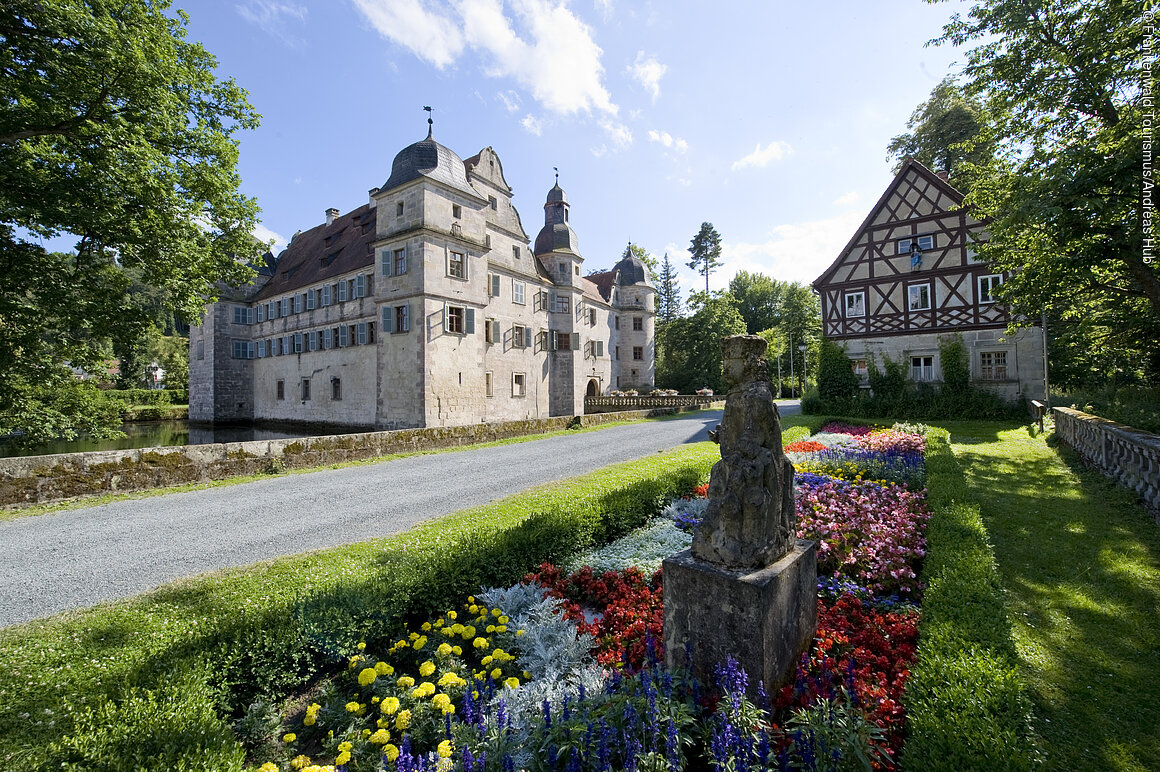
x=154, y=434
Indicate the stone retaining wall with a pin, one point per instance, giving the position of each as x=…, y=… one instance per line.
x=39, y=479
x=602, y=404
x=1128, y=455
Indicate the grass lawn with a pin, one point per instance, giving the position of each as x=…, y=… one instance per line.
x=1080, y=561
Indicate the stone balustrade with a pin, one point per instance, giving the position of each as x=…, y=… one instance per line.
x=608, y=404
x=1128, y=455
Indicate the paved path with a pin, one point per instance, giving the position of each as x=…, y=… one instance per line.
x=84, y=556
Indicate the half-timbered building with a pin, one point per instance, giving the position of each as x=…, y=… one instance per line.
x=910, y=277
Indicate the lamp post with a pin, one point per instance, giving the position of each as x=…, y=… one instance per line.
x=802, y=348
x=791, y=378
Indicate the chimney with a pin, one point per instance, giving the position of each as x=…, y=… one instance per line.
x=371, y=196
x=331, y=215
x=943, y=175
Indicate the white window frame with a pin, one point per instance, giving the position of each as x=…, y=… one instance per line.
x=859, y=307
x=312, y=340
x=359, y=286
x=989, y=372
x=518, y=289
x=519, y=385
x=988, y=296
x=261, y=349
x=341, y=292
x=519, y=336
x=260, y=312
x=298, y=305
x=910, y=288
x=327, y=298
x=468, y=317
x=299, y=343
x=925, y=244
x=451, y=261
x=343, y=336
x=328, y=339
x=311, y=300
x=284, y=310
x=924, y=373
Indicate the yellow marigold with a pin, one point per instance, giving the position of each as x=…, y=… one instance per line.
x=345, y=746
x=513, y=682
x=527, y=676
x=480, y=643
x=452, y=615
x=406, y=682
x=438, y=622
x=382, y=668
x=457, y=651
x=362, y=645
x=352, y=707
x=474, y=609
x=268, y=767
x=342, y=758
x=367, y=676
x=426, y=627
x=391, y=752
x=300, y=761
x=390, y=705
x=444, y=749
x=447, y=679
x=381, y=737
x=503, y=620
x=289, y=737
x=427, y=668
x=444, y=649
x=496, y=673
x=496, y=612
x=501, y=628
x=441, y=701
x=468, y=632
x=491, y=628
x=357, y=658
x=413, y=636
x=486, y=660
x=519, y=633
x=419, y=643
x=403, y=720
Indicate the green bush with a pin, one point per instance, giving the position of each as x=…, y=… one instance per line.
x=837, y=381
x=956, y=364
x=966, y=705
x=1136, y=406
x=151, y=397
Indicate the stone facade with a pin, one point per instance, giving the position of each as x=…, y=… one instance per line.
x=427, y=306
x=910, y=276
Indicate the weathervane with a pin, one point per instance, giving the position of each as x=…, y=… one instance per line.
x=556, y=169
x=430, y=121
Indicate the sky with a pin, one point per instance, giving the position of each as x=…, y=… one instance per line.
x=769, y=119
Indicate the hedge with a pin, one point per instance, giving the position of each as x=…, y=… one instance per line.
x=152, y=397
x=966, y=702
x=203, y=649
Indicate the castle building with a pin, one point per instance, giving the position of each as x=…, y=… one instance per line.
x=426, y=306
x=909, y=278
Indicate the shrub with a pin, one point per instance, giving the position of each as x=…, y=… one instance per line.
x=837, y=382
x=956, y=364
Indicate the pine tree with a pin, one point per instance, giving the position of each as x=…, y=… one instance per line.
x=705, y=250
x=668, y=293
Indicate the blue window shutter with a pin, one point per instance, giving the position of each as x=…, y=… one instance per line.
x=469, y=321
x=527, y=337
x=406, y=318
x=386, y=259
x=388, y=319
x=575, y=341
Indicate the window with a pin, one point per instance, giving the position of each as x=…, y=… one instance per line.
x=637, y=323
x=493, y=284
x=243, y=315
x=336, y=389
x=328, y=338
x=925, y=243
x=922, y=368
x=618, y=352
x=456, y=211
x=518, y=385
x=272, y=310
x=280, y=390
x=517, y=292
x=297, y=343
x=325, y=296
x=305, y=389
x=987, y=286
x=616, y=322
x=311, y=300
x=494, y=205
x=638, y=353
x=521, y=336
x=855, y=304
x=459, y=320
x=201, y=349
x=399, y=209
x=366, y=333
x=993, y=365
x=563, y=268
x=859, y=367
x=918, y=297
x=491, y=331
x=396, y=319
x=285, y=309
x=243, y=349
x=341, y=291
x=312, y=340
x=286, y=343
x=260, y=312
x=487, y=383
x=516, y=251
x=299, y=303
x=261, y=349
x=560, y=304
x=596, y=347
x=272, y=347
x=455, y=265
x=396, y=263
x=591, y=317
x=358, y=286
x=343, y=335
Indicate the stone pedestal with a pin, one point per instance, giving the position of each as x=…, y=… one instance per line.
x=764, y=618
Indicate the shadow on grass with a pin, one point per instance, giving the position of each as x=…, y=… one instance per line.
x=1081, y=564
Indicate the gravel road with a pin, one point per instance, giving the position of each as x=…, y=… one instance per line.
x=85, y=556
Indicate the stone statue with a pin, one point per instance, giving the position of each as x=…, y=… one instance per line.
x=750, y=521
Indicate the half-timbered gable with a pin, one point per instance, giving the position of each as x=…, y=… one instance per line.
x=910, y=274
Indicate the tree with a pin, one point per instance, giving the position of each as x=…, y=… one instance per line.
x=1062, y=85
x=694, y=343
x=705, y=251
x=945, y=132
x=115, y=131
x=668, y=293
x=643, y=255
x=759, y=300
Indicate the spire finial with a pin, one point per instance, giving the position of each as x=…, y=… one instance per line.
x=557, y=170
x=430, y=122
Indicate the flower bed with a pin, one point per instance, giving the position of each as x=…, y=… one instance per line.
x=563, y=670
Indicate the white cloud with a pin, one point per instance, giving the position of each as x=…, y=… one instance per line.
x=794, y=252
x=532, y=124
x=760, y=156
x=510, y=99
x=274, y=17
x=542, y=45
x=647, y=71
x=605, y=8
x=620, y=134
x=431, y=35
x=848, y=199
x=265, y=235
x=668, y=140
